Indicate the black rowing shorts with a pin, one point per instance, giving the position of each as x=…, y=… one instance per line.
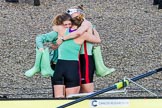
x=67, y=73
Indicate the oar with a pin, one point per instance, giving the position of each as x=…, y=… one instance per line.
x=118, y=85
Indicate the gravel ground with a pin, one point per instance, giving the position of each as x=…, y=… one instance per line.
x=131, y=33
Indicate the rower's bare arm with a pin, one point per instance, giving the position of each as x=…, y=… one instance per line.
x=94, y=38
x=83, y=28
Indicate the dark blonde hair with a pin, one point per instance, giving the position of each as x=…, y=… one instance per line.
x=78, y=20
x=60, y=18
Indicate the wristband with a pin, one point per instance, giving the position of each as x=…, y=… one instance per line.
x=62, y=38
